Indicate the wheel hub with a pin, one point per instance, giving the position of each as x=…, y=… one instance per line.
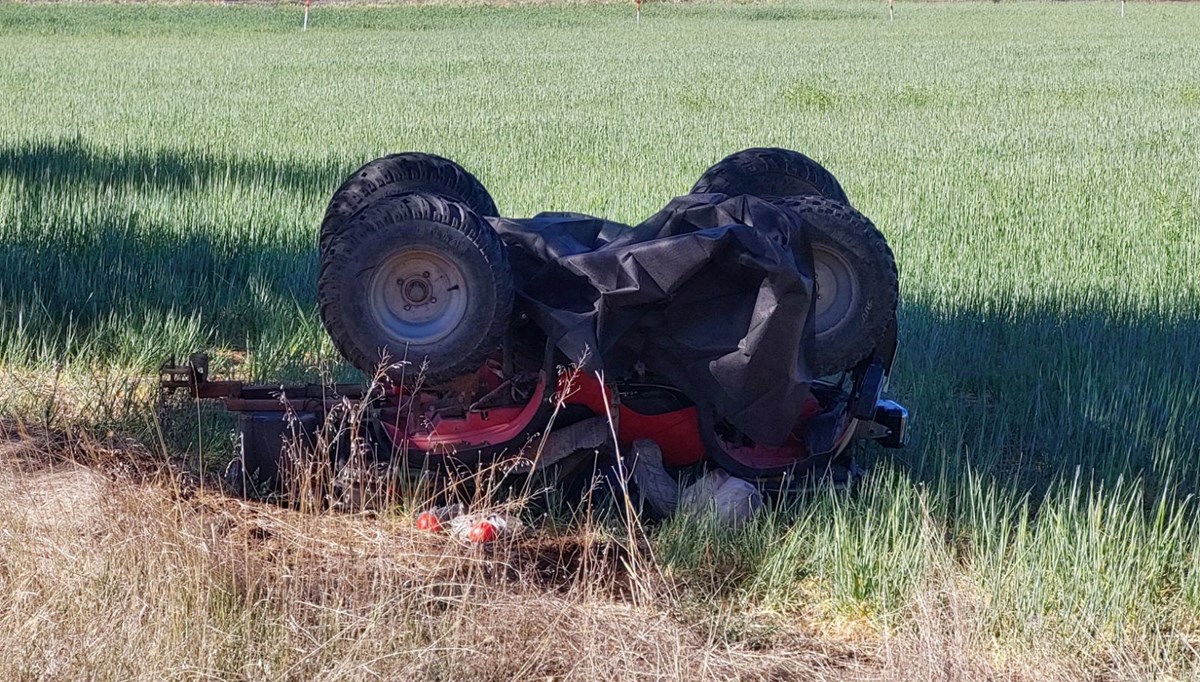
x=416, y=291
x=417, y=296
x=837, y=289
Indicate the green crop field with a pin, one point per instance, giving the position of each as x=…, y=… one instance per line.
x=163, y=171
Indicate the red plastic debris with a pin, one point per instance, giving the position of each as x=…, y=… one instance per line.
x=437, y=519
x=482, y=532
x=429, y=522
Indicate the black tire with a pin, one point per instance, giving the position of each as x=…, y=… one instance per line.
x=381, y=278
x=404, y=173
x=859, y=306
x=770, y=172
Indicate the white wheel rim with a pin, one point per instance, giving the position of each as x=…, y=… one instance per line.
x=417, y=296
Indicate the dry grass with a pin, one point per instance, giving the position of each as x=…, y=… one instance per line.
x=116, y=566
x=122, y=572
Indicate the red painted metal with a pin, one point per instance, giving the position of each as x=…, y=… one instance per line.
x=477, y=429
x=769, y=457
x=677, y=434
x=794, y=450
x=581, y=388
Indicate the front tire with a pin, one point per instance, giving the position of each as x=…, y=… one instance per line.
x=416, y=279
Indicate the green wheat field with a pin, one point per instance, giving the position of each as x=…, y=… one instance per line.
x=1035, y=167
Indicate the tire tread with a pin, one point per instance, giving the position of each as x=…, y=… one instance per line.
x=430, y=208
x=857, y=236
x=741, y=168
x=401, y=173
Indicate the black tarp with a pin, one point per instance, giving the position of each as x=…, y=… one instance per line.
x=713, y=293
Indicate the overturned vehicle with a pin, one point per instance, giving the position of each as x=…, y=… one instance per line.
x=749, y=325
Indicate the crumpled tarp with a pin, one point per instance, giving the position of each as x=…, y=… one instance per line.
x=714, y=293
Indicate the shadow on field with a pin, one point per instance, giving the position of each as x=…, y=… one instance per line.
x=128, y=267
x=1041, y=392
x=86, y=273
x=71, y=163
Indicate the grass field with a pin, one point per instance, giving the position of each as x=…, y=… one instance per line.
x=163, y=170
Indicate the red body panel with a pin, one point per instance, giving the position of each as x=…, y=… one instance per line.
x=477, y=429
x=767, y=457
x=581, y=388
x=677, y=432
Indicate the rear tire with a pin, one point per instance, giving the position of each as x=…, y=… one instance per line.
x=770, y=172
x=416, y=278
x=404, y=173
x=857, y=282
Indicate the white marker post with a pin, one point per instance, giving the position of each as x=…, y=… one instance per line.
x=1122, y=9
x=639, y=12
x=307, y=4
x=891, y=12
